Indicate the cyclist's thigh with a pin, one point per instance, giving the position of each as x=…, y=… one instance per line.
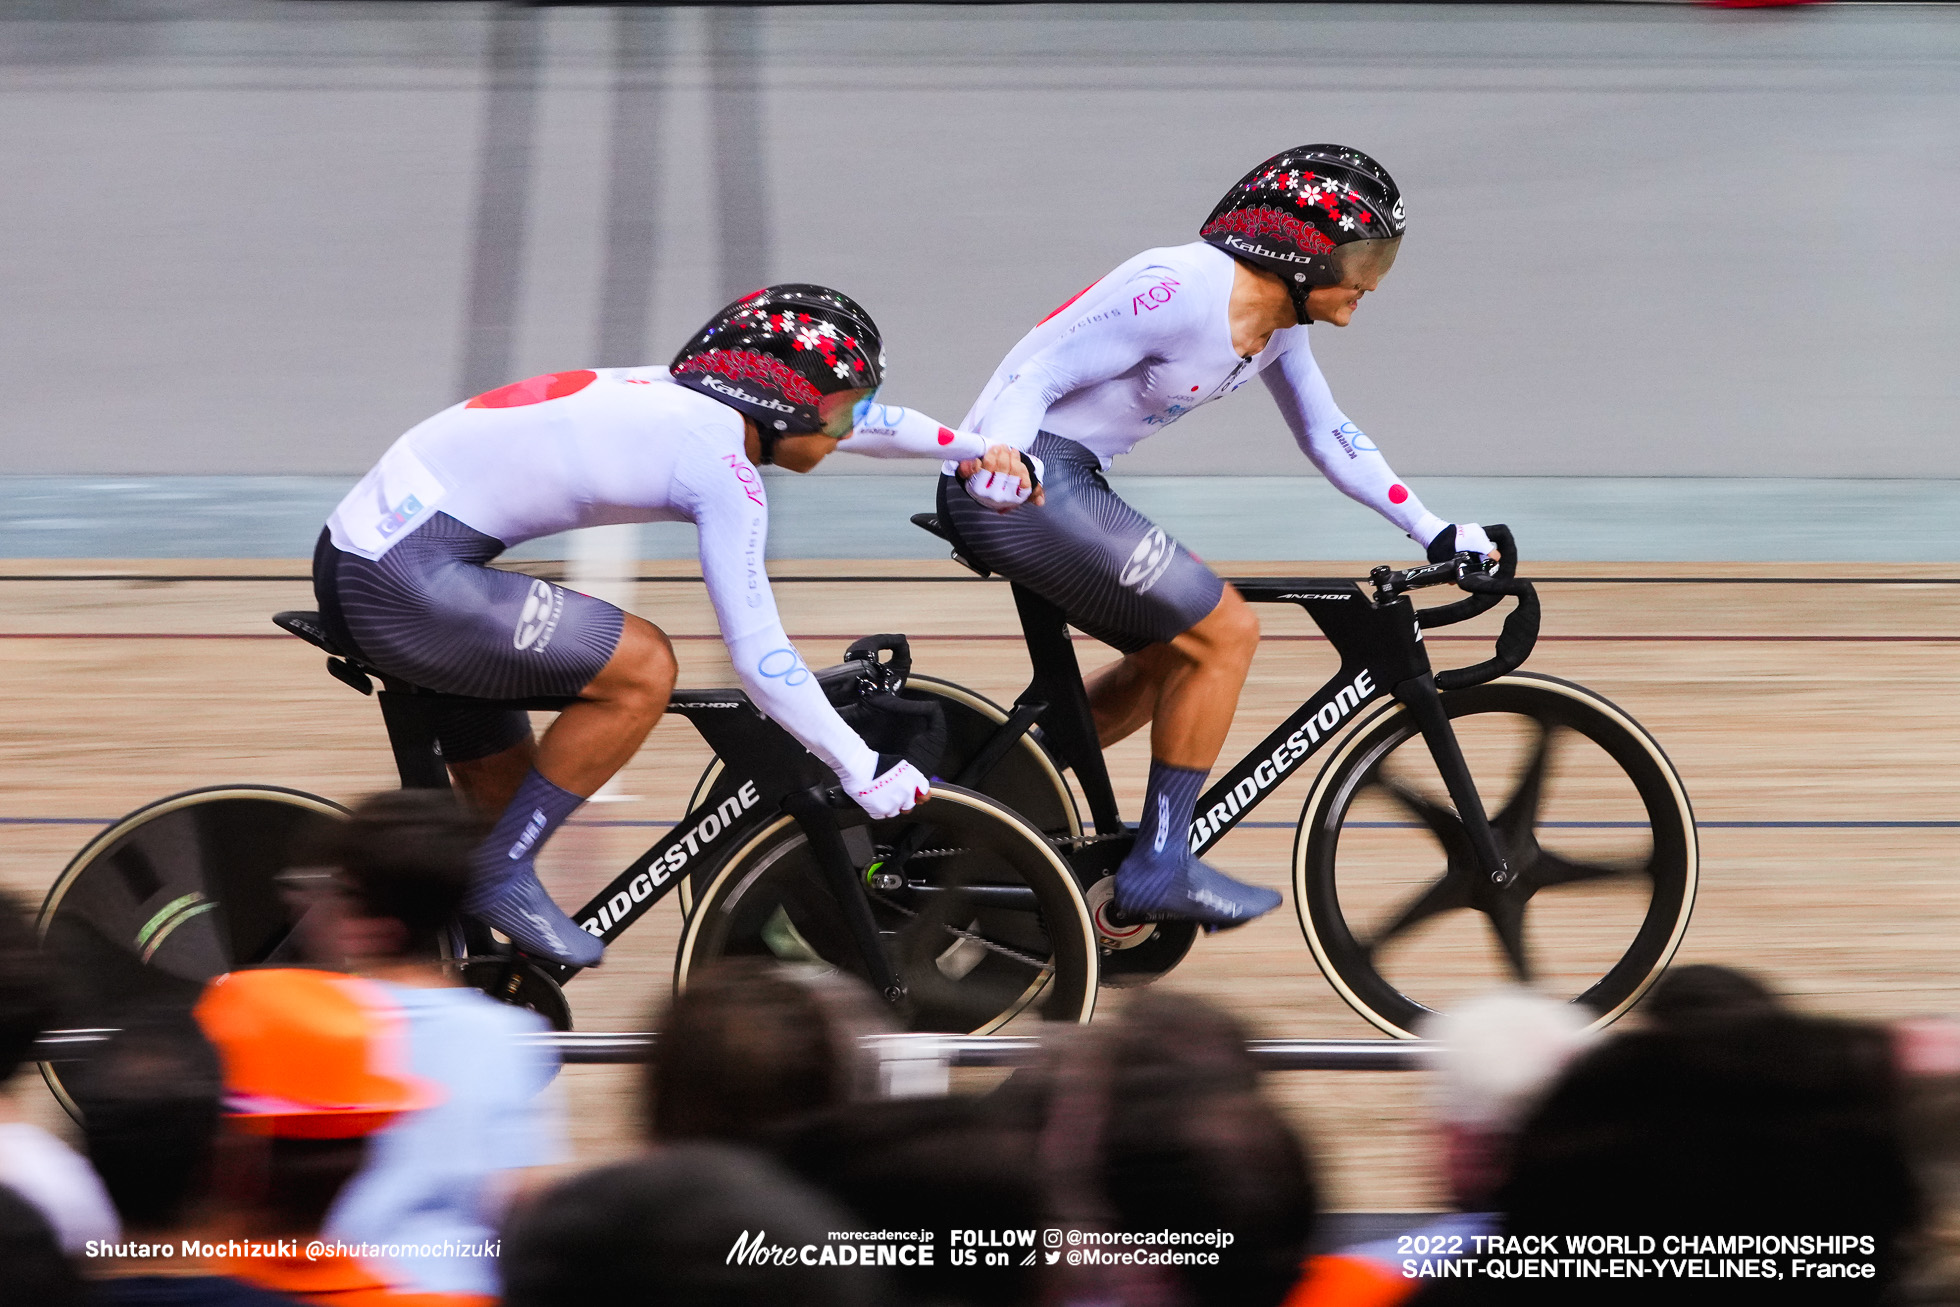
x=430, y=612
x=1115, y=573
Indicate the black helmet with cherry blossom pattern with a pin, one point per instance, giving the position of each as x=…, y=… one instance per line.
x=791, y=357
x=1317, y=215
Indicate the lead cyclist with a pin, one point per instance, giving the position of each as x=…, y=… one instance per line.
x=781, y=376
x=1300, y=239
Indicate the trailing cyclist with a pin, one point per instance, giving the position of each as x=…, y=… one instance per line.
x=1300, y=239
x=780, y=376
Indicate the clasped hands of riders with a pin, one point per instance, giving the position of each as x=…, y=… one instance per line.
x=788, y=374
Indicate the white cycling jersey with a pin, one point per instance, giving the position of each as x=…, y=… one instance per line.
x=1151, y=341
x=589, y=448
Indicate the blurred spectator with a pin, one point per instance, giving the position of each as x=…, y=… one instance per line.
x=938, y=1164
x=33, y=1269
x=1199, y=1161
x=1153, y=1123
x=1705, y=992
x=1165, y=1035
x=152, y=1097
x=662, y=1230
x=1495, y=1058
x=1768, y=1124
x=750, y=1045
x=308, y=1060
x=1161, y=1039
x=1192, y=1146
x=36, y=1165
x=441, y=1177
x=1932, y=1129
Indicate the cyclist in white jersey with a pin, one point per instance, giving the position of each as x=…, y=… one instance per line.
x=779, y=376
x=1300, y=239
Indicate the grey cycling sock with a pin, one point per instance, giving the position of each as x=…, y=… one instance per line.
x=1163, y=840
x=538, y=809
x=1161, y=880
x=505, y=891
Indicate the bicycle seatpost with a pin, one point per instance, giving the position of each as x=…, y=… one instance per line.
x=1067, y=722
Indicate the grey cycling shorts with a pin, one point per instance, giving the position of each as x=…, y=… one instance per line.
x=430, y=612
x=1110, y=568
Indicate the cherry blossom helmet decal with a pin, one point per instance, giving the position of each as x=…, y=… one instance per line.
x=778, y=353
x=1318, y=215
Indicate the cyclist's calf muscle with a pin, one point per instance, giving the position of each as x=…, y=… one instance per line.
x=489, y=784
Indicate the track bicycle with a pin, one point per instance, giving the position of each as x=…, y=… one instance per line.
x=1412, y=893
x=986, y=924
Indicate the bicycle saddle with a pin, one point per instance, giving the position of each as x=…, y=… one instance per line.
x=308, y=627
x=930, y=522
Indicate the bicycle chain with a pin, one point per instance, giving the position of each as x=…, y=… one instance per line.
x=1025, y=959
x=1074, y=842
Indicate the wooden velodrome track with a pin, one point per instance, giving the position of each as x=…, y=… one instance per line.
x=1817, y=727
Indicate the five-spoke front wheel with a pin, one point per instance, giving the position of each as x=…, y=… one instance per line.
x=1588, y=811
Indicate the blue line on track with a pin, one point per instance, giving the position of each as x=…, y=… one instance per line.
x=1639, y=825
x=1822, y=825
x=1270, y=825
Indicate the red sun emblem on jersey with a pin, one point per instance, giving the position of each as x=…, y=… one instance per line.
x=535, y=390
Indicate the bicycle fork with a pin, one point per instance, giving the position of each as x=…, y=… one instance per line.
x=819, y=825
x=1425, y=704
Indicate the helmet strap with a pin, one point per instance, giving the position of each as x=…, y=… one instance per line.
x=1297, y=291
x=766, y=437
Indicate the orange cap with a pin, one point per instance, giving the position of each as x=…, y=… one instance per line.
x=305, y=1053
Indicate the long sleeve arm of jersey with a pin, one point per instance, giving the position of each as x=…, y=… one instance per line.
x=732, y=519
x=887, y=431
x=1104, y=343
x=1342, y=452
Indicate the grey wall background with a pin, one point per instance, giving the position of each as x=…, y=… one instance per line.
x=257, y=238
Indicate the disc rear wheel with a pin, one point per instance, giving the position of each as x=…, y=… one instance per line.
x=173, y=894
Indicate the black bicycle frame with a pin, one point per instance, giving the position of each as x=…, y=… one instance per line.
x=1382, y=652
x=772, y=766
